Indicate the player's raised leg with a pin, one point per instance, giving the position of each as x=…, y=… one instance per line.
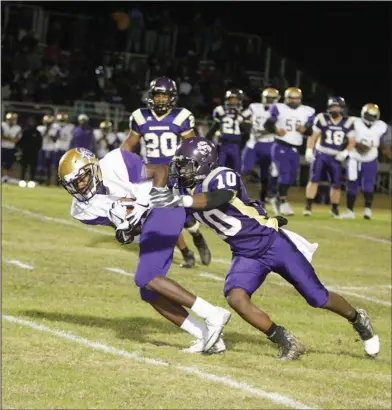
x=285, y=259
x=157, y=241
x=193, y=227
x=243, y=279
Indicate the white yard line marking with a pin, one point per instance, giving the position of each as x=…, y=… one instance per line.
x=119, y=271
x=55, y=220
x=228, y=381
x=211, y=276
x=18, y=263
x=356, y=235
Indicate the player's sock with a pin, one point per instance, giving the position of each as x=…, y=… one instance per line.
x=202, y=308
x=198, y=239
x=351, y=201
x=368, y=199
x=194, y=327
x=354, y=319
x=185, y=252
x=309, y=203
x=276, y=334
x=335, y=209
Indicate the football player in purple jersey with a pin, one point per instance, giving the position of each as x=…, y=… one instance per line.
x=159, y=128
x=217, y=198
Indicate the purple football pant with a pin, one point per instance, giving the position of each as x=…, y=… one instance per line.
x=324, y=162
x=287, y=161
x=284, y=258
x=260, y=155
x=230, y=156
x=7, y=157
x=159, y=236
x=366, y=176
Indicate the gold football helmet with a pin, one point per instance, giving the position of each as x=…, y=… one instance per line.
x=370, y=113
x=48, y=119
x=293, y=97
x=270, y=96
x=11, y=118
x=79, y=173
x=106, y=126
x=62, y=117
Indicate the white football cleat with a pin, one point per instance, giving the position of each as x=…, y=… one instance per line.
x=215, y=324
x=274, y=206
x=364, y=328
x=306, y=212
x=347, y=215
x=367, y=213
x=198, y=345
x=285, y=209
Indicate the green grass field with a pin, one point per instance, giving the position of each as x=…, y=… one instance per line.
x=75, y=334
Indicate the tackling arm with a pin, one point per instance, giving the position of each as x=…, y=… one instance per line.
x=209, y=200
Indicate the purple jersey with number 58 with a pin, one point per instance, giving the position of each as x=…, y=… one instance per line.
x=161, y=135
x=240, y=223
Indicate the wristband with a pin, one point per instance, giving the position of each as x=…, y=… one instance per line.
x=187, y=201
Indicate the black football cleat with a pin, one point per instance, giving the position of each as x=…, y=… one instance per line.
x=189, y=260
x=290, y=348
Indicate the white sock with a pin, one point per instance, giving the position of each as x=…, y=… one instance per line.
x=194, y=327
x=202, y=308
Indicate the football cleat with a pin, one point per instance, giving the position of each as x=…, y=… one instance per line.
x=292, y=348
x=275, y=206
x=347, y=215
x=215, y=325
x=364, y=328
x=306, y=212
x=334, y=214
x=205, y=254
x=198, y=345
x=367, y=213
x=285, y=209
x=189, y=260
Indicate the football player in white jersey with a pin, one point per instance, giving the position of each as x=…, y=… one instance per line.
x=362, y=165
x=102, y=190
x=50, y=132
x=290, y=122
x=105, y=139
x=258, y=147
x=11, y=133
x=65, y=135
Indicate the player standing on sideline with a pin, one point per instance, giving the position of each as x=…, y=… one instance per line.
x=362, y=165
x=258, y=147
x=98, y=188
x=159, y=128
x=333, y=139
x=11, y=133
x=105, y=139
x=218, y=198
x=232, y=122
x=290, y=122
x=50, y=132
x=65, y=136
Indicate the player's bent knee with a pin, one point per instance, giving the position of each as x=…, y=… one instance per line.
x=237, y=298
x=318, y=298
x=192, y=227
x=147, y=295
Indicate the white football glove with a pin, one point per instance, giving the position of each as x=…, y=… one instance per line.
x=165, y=198
x=141, y=206
x=342, y=155
x=124, y=233
x=118, y=212
x=309, y=155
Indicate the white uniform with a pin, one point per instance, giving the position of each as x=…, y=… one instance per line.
x=50, y=135
x=65, y=136
x=11, y=131
x=370, y=136
x=289, y=118
x=117, y=168
x=103, y=142
x=260, y=113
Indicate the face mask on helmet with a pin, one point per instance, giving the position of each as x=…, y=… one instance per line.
x=84, y=184
x=335, y=111
x=233, y=103
x=369, y=118
x=183, y=172
x=161, y=102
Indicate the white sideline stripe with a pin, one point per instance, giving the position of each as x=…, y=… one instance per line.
x=211, y=276
x=18, y=263
x=357, y=235
x=228, y=381
x=119, y=271
x=55, y=220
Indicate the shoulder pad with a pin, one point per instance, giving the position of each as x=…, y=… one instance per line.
x=181, y=116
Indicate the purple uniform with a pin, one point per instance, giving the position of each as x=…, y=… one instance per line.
x=83, y=137
x=121, y=170
x=257, y=244
x=332, y=140
x=161, y=135
x=230, y=135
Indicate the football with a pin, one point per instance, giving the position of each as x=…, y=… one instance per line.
x=138, y=228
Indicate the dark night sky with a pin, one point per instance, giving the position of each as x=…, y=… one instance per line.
x=345, y=45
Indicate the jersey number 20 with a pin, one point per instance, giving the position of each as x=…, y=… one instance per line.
x=164, y=145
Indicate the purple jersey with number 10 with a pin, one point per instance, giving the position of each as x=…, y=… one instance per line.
x=161, y=135
x=240, y=223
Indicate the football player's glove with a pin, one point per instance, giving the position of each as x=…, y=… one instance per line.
x=124, y=233
x=165, y=199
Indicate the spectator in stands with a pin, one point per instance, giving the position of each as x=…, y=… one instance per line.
x=30, y=145
x=136, y=30
x=83, y=135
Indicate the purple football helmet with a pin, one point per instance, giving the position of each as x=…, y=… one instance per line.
x=193, y=161
x=167, y=90
x=336, y=106
x=231, y=96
